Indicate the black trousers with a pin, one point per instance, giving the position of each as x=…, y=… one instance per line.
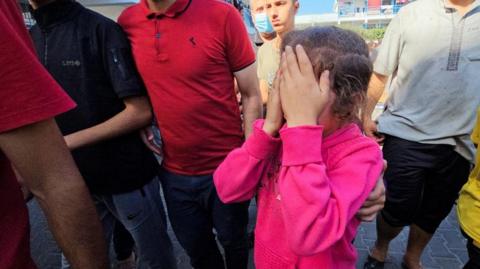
x=195, y=209
x=473, y=254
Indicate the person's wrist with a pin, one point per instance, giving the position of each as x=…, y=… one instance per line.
x=71, y=142
x=270, y=129
x=302, y=121
x=367, y=117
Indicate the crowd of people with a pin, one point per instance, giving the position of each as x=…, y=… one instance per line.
x=98, y=118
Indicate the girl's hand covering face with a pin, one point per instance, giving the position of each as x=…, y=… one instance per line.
x=303, y=98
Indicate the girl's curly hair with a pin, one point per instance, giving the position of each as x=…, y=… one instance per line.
x=345, y=54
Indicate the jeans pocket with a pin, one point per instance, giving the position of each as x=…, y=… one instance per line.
x=132, y=208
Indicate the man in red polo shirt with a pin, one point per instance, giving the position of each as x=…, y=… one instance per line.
x=30, y=139
x=189, y=52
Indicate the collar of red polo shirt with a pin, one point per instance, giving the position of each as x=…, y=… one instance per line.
x=174, y=10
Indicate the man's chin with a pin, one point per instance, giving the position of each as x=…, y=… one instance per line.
x=279, y=29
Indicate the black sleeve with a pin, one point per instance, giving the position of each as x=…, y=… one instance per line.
x=118, y=61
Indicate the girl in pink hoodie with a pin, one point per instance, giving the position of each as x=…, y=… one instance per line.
x=314, y=174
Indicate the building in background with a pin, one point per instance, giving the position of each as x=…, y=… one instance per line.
x=362, y=13
x=108, y=8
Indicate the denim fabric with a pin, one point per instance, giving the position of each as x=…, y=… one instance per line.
x=143, y=215
x=195, y=210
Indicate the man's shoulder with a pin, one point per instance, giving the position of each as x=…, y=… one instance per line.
x=131, y=11
x=268, y=53
x=219, y=4
x=129, y=14
x=96, y=19
x=218, y=9
x=419, y=7
x=267, y=48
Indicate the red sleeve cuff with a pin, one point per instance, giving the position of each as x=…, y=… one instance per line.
x=261, y=145
x=302, y=145
x=36, y=113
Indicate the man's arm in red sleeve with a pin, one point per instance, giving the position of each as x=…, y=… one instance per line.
x=40, y=155
x=241, y=58
x=30, y=138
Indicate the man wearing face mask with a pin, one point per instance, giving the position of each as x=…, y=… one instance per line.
x=261, y=21
x=272, y=17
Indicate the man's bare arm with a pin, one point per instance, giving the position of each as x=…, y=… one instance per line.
x=40, y=155
x=137, y=114
x=375, y=91
x=251, y=99
x=264, y=89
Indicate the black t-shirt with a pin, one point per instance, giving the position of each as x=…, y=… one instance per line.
x=90, y=57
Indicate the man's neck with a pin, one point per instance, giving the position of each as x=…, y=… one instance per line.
x=160, y=6
x=279, y=39
x=462, y=6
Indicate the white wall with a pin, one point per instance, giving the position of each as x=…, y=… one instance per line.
x=109, y=8
x=111, y=11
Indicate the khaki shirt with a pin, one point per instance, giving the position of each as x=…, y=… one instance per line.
x=268, y=60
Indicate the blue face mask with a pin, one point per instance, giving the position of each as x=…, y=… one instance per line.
x=263, y=24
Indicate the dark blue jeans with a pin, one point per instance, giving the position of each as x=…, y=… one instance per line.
x=142, y=214
x=195, y=210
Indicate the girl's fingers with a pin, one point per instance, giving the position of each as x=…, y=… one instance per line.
x=284, y=66
x=325, y=81
x=275, y=82
x=292, y=62
x=304, y=62
x=282, y=86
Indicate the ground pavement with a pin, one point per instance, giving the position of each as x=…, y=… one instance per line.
x=445, y=251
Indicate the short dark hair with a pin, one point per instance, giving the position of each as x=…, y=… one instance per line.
x=345, y=54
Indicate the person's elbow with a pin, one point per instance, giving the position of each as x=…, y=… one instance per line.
x=227, y=192
x=139, y=111
x=251, y=93
x=253, y=100
x=144, y=117
x=380, y=77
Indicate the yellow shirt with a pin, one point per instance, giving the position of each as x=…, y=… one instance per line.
x=468, y=208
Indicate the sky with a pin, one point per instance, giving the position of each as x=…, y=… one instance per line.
x=315, y=7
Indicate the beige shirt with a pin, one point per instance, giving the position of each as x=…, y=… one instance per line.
x=268, y=60
x=433, y=54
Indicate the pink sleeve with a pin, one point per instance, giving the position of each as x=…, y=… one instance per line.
x=237, y=178
x=318, y=206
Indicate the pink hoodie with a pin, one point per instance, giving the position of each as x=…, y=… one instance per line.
x=308, y=199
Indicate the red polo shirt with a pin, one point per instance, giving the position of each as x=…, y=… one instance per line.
x=187, y=57
x=27, y=94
